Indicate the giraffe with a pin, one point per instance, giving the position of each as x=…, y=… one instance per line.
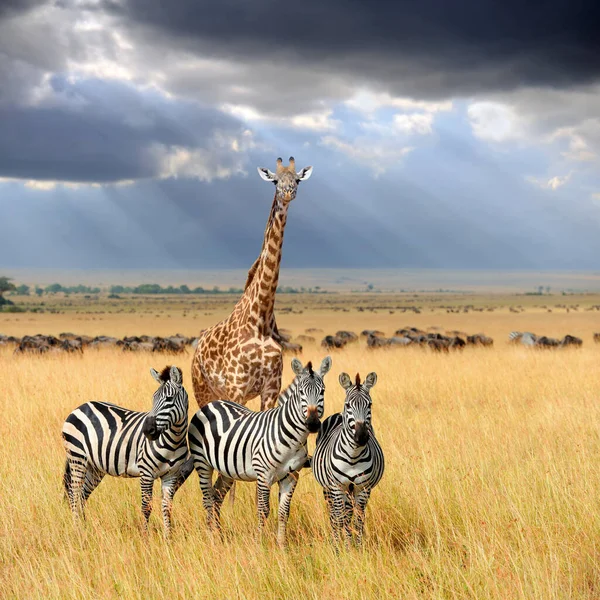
x=241, y=357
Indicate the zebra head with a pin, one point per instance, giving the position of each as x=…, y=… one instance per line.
x=169, y=405
x=286, y=179
x=356, y=417
x=311, y=391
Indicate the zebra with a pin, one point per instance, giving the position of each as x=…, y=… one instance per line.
x=267, y=447
x=101, y=438
x=348, y=461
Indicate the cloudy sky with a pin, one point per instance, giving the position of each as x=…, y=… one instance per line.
x=442, y=134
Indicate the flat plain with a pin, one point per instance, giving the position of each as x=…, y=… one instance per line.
x=492, y=481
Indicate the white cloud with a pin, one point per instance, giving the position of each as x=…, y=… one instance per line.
x=314, y=121
x=414, y=123
x=223, y=157
x=42, y=185
x=494, y=121
x=378, y=155
x=550, y=184
x=369, y=102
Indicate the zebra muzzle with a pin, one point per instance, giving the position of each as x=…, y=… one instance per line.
x=150, y=428
x=313, y=423
x=361, y=434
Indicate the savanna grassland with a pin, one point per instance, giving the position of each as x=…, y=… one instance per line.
x=492, y=483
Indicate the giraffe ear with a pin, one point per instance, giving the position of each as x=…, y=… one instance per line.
x=370, y=380
x=267, y=175
x=304, y=174
x=156, y=375
x=345, y=381
x=297, y=366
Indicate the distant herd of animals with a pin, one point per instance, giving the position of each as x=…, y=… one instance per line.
x=235, y=360
x=374, y=339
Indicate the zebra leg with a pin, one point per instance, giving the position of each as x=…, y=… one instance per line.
x=286, y=490
x=222, y=485
x=184, y=472
x=76, y=477
x=263, y=492
x=168, y=488
x=348, y=514
x=205, y=473
x=359, y=511
x=93, y=477
x=146, y=485
x=337, y=516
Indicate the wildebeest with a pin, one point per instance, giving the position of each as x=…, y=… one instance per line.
x=571, y=340
x=349, y=336
x=480, y=339
x=332, y=341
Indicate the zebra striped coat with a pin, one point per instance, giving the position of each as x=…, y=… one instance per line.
x=266, y=447
x=103, y=439
x=348, y=461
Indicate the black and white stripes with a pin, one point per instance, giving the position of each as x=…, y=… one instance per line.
x=101, y=438
x=348, y=461
x=267, y=447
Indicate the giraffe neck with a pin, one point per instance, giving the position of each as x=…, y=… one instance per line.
x=264, y=283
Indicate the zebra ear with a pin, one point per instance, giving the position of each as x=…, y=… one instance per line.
x=325, y=366
x=156, y=375
x=370, y=380
x=345, y=381
x=297, y=366
x=175, y=375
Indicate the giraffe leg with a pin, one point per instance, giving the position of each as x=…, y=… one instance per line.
x=271, y=389
x=202, y=391
x=286, y=490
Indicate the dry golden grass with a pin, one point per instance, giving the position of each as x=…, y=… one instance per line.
x=491, y=486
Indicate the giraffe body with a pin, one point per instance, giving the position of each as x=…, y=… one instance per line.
x=241, y=357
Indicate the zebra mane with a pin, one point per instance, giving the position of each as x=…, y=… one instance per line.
x=310, y=368
x=165, y=374
x=357, y=382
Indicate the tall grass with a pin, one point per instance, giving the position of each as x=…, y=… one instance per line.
x=491, y=487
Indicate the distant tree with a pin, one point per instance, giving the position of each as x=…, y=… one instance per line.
x=53, y=288
x=5, y=286
x=38, y=291
x=370, y=286
x=548, y=288
x=184, y=289
x=22, y=290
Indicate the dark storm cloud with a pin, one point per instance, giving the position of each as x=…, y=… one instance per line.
x=421, y=47
x=101, y=131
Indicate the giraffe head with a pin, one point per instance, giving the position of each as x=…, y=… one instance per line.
x=285, y=179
